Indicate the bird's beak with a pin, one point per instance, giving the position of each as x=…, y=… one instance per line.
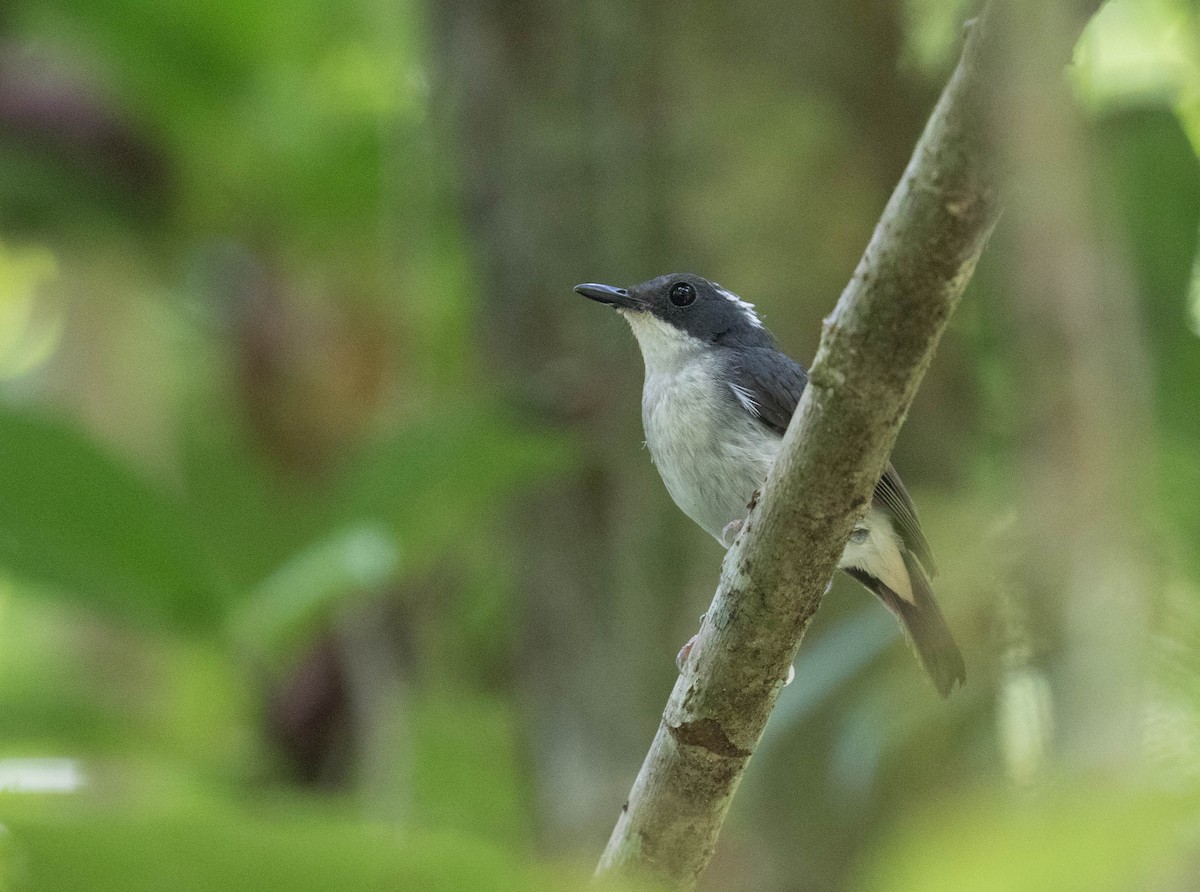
x=614, y=297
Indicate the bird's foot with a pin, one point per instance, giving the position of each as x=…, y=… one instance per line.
x=730, y=533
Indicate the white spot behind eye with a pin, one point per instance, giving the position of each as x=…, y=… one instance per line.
x=746, y=307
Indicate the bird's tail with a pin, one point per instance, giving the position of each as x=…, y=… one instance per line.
x=926, y=626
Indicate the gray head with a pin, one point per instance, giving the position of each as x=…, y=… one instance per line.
x=689, y=305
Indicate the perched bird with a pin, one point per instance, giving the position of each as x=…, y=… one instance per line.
x=717, y=399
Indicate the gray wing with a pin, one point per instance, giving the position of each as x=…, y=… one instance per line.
x=893, y=497
x=768, y=384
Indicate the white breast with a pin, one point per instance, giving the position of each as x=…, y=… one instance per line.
x=711, y=454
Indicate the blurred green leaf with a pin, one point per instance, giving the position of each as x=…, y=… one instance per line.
x=76, y=518
x=72, y=684
x=429, y=483
x=299, y=599
x=1082, y=838
x=437, y=478
x=468, y=766
x=74, y=842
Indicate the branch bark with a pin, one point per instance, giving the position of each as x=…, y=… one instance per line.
x=874, y=350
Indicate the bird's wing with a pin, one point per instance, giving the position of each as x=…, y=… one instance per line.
x=768, y=385
x=891, y=495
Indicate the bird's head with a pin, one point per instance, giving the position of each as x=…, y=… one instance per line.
x=683, y=306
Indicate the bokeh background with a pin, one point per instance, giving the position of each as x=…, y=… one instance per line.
x=330, y=557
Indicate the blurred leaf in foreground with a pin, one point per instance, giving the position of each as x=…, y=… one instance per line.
x=76, y=518
x=78, y=842
x=1084, y=838
x=297, y=601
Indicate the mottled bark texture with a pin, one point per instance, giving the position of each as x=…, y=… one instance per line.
x=874, y=350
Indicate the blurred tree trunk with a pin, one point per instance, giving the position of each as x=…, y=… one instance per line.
x=1084, y=375
x=552, y=197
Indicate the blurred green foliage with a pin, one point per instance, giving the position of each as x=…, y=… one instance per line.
x=214, y=845
x=1072, y=839
x=263, y=469
x=77, y=519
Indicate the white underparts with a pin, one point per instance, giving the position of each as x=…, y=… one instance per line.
x=713, y=453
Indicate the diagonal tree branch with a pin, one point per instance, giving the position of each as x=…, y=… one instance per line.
x=874, y=350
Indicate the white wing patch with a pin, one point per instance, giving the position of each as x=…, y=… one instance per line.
x=744, y=397
x=746, y=307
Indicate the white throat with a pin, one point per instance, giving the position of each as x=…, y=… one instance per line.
x=665, y=348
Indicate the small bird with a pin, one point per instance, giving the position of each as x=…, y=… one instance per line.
x=716, y=402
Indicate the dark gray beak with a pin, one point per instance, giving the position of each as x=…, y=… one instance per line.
x=614, y=297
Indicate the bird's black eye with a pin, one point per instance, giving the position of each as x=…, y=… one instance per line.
x=682, y=294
